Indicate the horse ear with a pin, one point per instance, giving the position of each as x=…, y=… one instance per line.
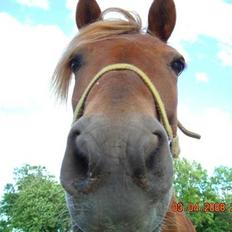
x=162, y=18
x=88, y=11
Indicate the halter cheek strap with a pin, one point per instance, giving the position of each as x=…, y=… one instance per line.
x=174, y=142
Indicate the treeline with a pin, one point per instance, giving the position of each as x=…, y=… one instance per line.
x=35, y=202
x=207, y=200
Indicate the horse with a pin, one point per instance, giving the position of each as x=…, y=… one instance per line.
x=117, y=170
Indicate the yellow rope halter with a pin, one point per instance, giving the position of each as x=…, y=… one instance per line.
x=174, y=146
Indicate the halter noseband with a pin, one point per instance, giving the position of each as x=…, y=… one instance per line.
x=174, y=142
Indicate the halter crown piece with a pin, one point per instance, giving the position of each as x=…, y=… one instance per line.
x=174, y=145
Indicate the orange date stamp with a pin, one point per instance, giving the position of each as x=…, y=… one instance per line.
x=207, y=207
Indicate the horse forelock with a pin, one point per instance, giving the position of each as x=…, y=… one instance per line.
x=97, y=31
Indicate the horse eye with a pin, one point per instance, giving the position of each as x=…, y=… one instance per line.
x=178, y=65
x=76, y=63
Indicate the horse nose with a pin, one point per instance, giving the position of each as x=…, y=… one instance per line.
x=141, y=150
x=148, y=155
x=97, y=149
x=81, y=151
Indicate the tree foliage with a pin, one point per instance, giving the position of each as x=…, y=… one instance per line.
x=207, y=200
x=35, y=202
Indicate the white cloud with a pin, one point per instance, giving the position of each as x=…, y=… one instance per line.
x=28, y=57
x=71, y=5
x=215, y=126
x=204, y=17
x=44, y=4
x=225, y=54
x=208, y=18
x=202, y=77
x=33, y=129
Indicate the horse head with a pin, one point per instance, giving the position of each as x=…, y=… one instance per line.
x=118, y=165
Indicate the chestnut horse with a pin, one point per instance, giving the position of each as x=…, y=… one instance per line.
x=118, y=165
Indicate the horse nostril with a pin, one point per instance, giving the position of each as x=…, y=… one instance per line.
x=74, y=134
x=80, y=154
x=82, y=160
x=139, y=150
x=152, y=153
x=139, y=172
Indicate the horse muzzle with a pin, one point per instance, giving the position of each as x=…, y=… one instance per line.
x=117, y=172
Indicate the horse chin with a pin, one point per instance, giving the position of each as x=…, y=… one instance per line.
x=108, y=209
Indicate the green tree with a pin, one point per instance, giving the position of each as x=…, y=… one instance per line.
x=34, y=203
x=194, y=187
x=222, y=184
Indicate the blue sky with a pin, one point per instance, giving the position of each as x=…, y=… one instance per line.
x=56, y=13
x=217, y=90
x=35, y=32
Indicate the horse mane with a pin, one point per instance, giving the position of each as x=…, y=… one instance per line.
x=97, y=31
